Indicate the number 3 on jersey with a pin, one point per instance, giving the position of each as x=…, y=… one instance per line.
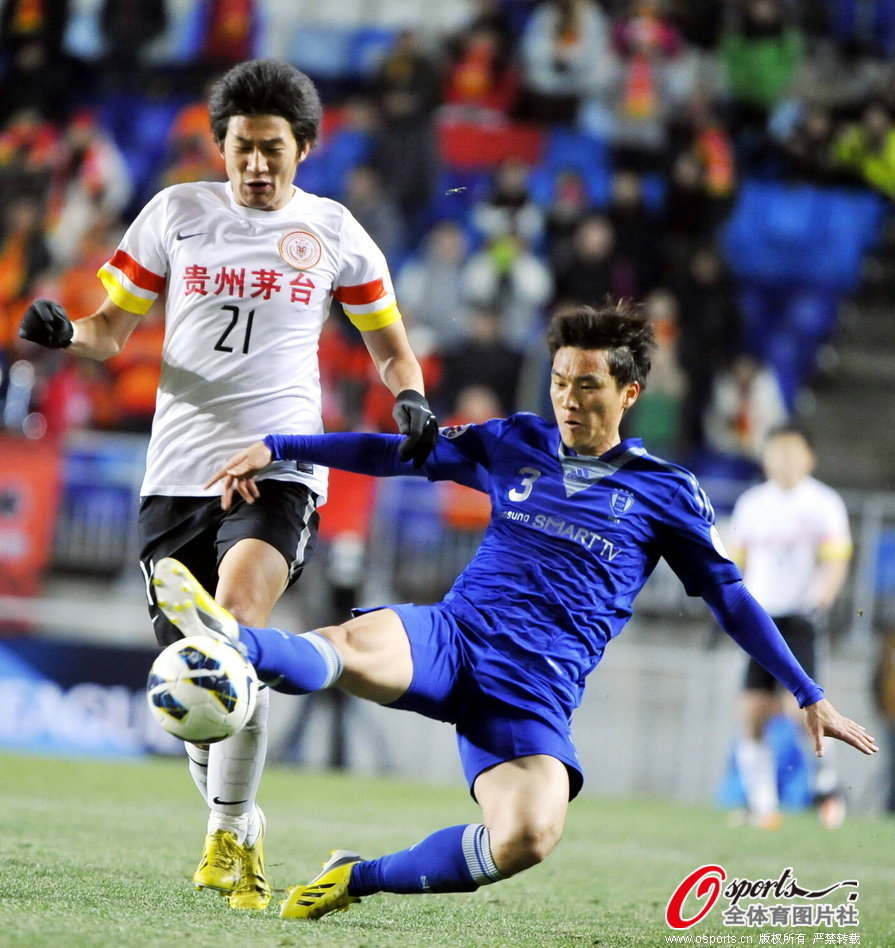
x=529, y=475
x=221, y=344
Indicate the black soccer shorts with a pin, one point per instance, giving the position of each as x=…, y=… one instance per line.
x=197, y=532
x=798, y=632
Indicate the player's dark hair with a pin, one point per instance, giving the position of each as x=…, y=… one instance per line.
x=792, y=427
x=266, y=87
x=621, y=329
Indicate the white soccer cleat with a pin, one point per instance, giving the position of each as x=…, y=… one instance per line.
x=189, y=607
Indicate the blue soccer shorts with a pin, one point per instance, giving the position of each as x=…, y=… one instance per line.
x=490, y=729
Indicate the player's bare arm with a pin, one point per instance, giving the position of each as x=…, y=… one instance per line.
x=400, y=371
x=831, y=576
x=104, y=333
x=394, y=359
x=823, y=720
x=98, y=336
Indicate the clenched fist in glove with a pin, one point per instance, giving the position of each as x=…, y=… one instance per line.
x=418, y=425
x=46, y=323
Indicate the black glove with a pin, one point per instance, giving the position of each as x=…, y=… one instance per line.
x=417, y=423
x=46, y=323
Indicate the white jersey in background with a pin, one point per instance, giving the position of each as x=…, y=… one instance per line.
x=782, y=536
x=247, y=292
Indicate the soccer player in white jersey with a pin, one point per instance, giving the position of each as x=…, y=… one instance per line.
x=580, y=517
x=791, y=537
x=248, y=268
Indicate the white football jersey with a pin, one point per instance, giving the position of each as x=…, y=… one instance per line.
x=783, y=535
x=247, y=292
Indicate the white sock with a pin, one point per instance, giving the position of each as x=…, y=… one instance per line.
x=234, y=772
x=826, y=780
x=255, y=826
x=758, y=772
x=198, y=764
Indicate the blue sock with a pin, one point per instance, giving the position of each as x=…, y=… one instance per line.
x=294, y=664
x=456, y=859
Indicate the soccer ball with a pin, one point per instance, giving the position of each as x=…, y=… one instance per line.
x=201, y=689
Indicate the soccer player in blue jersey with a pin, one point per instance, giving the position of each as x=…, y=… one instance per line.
x=579, y=520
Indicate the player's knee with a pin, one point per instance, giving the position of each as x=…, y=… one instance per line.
x=353, y=648
x=524, y=845
x=245, y=608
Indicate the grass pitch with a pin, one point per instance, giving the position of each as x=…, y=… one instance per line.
x=97, y=854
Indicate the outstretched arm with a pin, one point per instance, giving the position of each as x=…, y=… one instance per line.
x=376, y=454
x=743, y=619
x=98, y=336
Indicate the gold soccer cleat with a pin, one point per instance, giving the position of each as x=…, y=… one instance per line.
x=253, y=891
x=326, y=892
x=220, y=864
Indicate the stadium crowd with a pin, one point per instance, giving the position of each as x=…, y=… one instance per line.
x=544, y=153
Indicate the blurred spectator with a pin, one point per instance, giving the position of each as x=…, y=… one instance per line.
x=658, y=413
x=589, y=272
x=23, y=22
x=702, y=131
x=689, y=213
x=699, y=21
x=863, y=28
x=867, y=148
x=761, y=53
x=128, y=27
x=37, y=73
x=505, y=275
x=429, y=284
x=62, y=397
x=807, y=147
x=509, y=209
x=218, y=35
x=368, y=201
x=192, y=153
x=23, y=249
x=346, y=141
x=745, y=405
x=652, y=78
x=710, y=330
x=75, y=285
x=28, y=146
x=91, y=180
x=482, y=357
x=492, y=16
x=481, y=78
x=407, y=94
x=569, y=204
x=566, y=54
x=638, y=235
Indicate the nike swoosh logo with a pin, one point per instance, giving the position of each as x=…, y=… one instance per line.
x=182, y=236
x=220, y=802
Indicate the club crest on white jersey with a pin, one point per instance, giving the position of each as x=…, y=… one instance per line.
x=300, y=249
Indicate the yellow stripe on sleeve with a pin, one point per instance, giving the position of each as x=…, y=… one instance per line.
x=366, y=322
x=121, y=297
x=834, y=550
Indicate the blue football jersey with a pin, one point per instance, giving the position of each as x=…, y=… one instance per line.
x=571, y=542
